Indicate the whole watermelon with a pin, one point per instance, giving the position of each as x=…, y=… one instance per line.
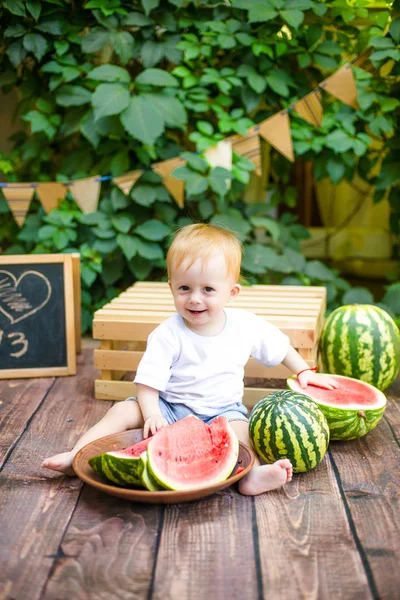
x=361, y=341
x=289, y=425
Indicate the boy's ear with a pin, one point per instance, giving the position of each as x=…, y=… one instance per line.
x=235, y=289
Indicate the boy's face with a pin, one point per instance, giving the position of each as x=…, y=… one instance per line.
x=200, y=293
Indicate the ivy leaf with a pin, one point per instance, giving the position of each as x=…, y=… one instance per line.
x=358, y=295
x=142, y=120
x=338, y=141
x=16, y=7
x=269, y=224
x=16, y=53
x=110, y=99
x=16, y=30
x=257, y=83
x=294, y=17
x=156, y=77
x=257, y=258
x=123, y=44
x=110, y=73
x=335, y=168
x=141, y=268
x=128, y=245
x=73, y=95
x=196, y=184
x=123, y=223
x=148, y=5
x=143, y=194
x=172, y=111
x=95, y=40
x=53, y=26
x=277, y=83
x=34, y=7
x=136, y=18
x=153, y=230
x=219, y=180
x=35, y=43
x=151, y=53
x=232, y=219
x=317, y=270
x=149, y=250
x=261, y=13
x=394, y=31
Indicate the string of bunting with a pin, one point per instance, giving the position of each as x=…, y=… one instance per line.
x=275, y=130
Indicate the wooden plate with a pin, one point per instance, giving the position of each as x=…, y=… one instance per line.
x=120, y=441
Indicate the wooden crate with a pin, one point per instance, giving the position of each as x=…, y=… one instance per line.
x=123, y=325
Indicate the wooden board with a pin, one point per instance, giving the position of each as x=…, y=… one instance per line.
x=37, y=315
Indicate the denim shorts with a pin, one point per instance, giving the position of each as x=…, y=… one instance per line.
x=174, y=412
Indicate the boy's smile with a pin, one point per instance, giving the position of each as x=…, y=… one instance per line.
x=200, y=293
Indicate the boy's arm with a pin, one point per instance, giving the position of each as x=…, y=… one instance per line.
x=295, y=363
x=150, y=407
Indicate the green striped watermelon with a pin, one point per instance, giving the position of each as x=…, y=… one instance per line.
x=289, y=425
x=123, y=467
x=361, y=341
x=352, y=409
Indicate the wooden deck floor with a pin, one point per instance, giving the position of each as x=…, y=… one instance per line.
x=331, y=533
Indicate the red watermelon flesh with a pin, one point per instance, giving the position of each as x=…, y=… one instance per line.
x=351, y=392
x=135, y=450
x=191, y=454
x=352, y=410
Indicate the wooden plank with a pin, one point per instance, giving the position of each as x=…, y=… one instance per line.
x=19, y=400
x=130, y=327
x=125, y=360
x=37, y=504
x=301, y=289
x=120, y=390
x=303, y=527
x=148, y=308
x=167, y=299
x=206, y=550
x=368, y=474
x=108, y=550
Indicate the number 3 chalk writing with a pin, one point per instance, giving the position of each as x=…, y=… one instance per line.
x=20, y=340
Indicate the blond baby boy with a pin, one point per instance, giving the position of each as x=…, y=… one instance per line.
x=194, y=361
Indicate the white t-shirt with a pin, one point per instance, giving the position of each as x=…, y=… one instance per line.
x=206, y=373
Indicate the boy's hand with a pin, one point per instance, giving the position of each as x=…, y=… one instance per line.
x=318, y=379
x=153, y=424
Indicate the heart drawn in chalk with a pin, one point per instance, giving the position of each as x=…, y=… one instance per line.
x=23, y=296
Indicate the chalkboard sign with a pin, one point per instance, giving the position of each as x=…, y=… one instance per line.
x=38, y=334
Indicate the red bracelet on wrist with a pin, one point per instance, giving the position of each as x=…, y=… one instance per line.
x=309, y=369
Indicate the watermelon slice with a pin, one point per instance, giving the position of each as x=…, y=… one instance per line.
x=191, y=454
x=123, y=467
x=352, y=410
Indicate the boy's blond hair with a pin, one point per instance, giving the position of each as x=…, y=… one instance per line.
x=201, y=240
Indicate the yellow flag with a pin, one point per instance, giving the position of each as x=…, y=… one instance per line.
x=176, y=187
x=342, y=85
x=248, y=146
x=86, y=193
x=310, y=108
x=127, y=181
x=19, y=197
x=276, y=130
x=50, y=193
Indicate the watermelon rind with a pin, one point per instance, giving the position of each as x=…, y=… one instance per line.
x=352, y=421
x=361, y=341
x=290, y=425
x=120, y=469
x=147, y=479
x=171, y=481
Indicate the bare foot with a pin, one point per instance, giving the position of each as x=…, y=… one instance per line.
x=264, y=478
x=60, y=462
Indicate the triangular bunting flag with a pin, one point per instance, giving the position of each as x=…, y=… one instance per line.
x=19, y=197
x=276, y=130
x=310, y=108
x=249, y=147
x=127, y=181
x=86, y=193
x=176, y=187
x=220, y=155
x=343, y=86
x=50, y=193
